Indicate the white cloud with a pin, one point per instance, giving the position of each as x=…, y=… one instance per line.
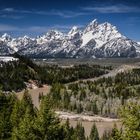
x=112, y=9
x=11, y=16
x=35, y=29
x=5, y=28
x=10, y=12
x=41, y=29
x=65, y=27
x=67, y=14
x=63, y=13
x=8, y=9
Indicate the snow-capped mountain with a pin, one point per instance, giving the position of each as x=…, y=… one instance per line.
x=94, y=41
x=5, y=49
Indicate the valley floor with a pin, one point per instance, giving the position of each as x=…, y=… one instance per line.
x=86, y=120
x=35, y=93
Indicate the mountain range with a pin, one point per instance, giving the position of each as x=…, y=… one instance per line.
x=94, y=41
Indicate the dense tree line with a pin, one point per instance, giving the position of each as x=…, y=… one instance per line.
x=15, y=74
x=102, y=97
x=20, y=120
x=57, y=74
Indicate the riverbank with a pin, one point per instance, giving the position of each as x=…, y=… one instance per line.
x=81, y=117
x=102, y=123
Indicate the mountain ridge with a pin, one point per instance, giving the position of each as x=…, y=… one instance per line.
x=94, y=41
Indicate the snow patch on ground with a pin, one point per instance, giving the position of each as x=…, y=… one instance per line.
x=7, y=58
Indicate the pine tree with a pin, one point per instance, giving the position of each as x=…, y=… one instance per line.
x=115, y=133
x=95, y=108
x=94, y=133
x=130, y=115
x=6, y=106
x=79, y=108
x=26, y=102
x=22, y=118
x=66, y=100
x=16, y=114
x=69, y=131
x=47, y=126
x=79, y=132
x=24, y=131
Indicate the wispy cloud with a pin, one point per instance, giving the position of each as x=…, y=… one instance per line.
x=41, y=29
x=8, y=9
x=6, y=28
x=60, y=13
x=67, y=14
x=112, y=9
x=11, y=16
x=89, y=10
x=65, y=27
x=35, y=29
x=13, y=13
x=10, y=13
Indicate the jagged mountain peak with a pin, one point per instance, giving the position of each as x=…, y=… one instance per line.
x=108, y=26
x=6, y=37
x=94, y=26
x=96, y=40
x=101, y=33
x=26, y=37
x=73, y=30
x=53, y=34
x=91, y=26
x=93, y=23
x=74, y=34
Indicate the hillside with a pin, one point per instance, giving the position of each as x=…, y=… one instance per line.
x=23, y=73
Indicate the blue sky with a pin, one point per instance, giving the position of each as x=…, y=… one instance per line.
x=35, y=17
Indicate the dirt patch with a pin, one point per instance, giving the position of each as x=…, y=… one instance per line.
x=35, y=93
x=101, y=126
